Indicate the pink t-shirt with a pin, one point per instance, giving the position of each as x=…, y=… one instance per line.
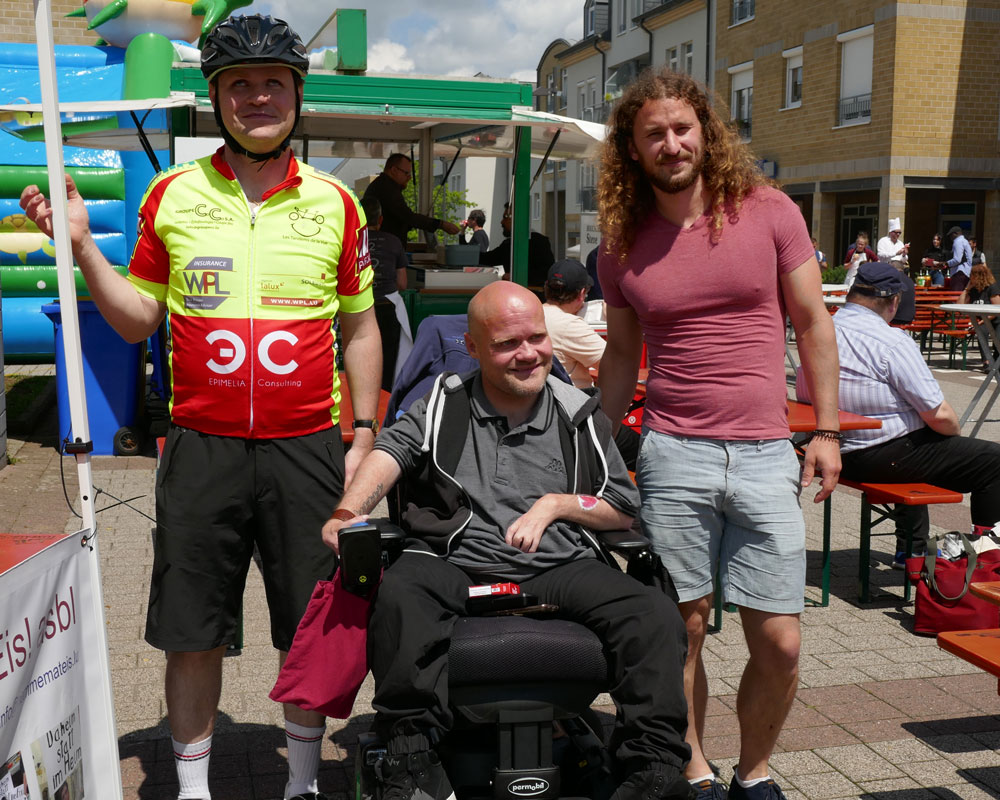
x=713, y=317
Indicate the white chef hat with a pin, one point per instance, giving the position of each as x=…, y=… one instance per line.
x=894, y=225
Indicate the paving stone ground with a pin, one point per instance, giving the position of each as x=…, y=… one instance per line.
x=880, y=712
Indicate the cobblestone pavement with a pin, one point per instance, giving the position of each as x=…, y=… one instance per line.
x=880, y=712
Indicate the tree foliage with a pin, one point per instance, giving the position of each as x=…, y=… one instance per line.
x=446, y=204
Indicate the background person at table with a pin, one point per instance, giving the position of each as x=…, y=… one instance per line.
x=578, y=346
x=891, y=250
x=595, y=291
x=932, y=256
x=475, y=223
x=883, y=375
x=681, y=195
x=253, y=456
x=397, y=217
x=389, y=265
x=540, y=256
x=983, y=289
x=959, y=266
x=820, y=255
x=978, y=256
x=858, y=254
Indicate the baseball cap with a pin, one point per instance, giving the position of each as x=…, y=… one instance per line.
x=571, y=274
x=878, y=279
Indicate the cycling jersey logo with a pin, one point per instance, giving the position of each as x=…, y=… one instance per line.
x=204, y=285
x=212, y=212
x=233, y=352
x=305, y=223
x=364, y=254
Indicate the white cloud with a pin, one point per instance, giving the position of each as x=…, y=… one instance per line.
x=501, y=38
x=386, y=56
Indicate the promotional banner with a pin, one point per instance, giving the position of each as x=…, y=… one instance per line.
x=57, y=740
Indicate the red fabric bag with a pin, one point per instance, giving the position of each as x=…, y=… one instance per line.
x=943, y=601
x=328, y=659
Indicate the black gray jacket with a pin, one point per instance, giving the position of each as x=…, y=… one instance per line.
x=436, y=508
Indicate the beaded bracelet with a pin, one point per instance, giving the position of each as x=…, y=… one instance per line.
x=833, y=436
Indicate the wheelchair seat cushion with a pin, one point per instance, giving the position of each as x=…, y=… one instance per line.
x=516, y=649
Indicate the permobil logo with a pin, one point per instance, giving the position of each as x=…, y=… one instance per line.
x=528, y=787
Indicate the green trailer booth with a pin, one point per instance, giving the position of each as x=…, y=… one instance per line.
x=348, y=113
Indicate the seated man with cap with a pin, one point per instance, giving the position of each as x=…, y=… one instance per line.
x=892, y=251
x=883, y=375
x=577, y=345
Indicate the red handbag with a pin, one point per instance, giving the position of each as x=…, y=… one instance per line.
x=328, y=659
x=943, y=600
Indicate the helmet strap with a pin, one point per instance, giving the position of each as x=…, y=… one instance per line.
x=239, y=149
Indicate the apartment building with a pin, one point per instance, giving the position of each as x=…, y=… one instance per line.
x=867, y=111
x=583, y=79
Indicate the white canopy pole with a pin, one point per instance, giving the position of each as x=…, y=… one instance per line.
x=73, y=355
x=98, y=669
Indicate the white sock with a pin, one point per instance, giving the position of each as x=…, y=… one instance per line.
x=748, y=784
x=695, y=781
x=191, y=761
x=304, y=745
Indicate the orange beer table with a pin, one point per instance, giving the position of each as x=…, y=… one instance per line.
x=981, y=648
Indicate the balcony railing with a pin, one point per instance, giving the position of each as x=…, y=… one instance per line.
x=742, y=9
x=598, y=113
x=855, y=109
x=587, y=197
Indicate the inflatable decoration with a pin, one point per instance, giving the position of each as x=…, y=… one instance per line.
x=120, y=21
x=20, y=236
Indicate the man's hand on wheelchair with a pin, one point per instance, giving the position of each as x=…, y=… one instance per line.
x=334, y=525
x=526, y=531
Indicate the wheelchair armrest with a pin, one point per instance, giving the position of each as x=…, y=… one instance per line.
x=390, y=534
x=626, y=543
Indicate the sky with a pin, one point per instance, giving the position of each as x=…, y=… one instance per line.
x=500, y=38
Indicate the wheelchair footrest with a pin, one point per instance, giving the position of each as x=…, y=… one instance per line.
x=540, y=783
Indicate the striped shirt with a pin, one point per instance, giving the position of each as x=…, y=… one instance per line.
x=882, y=375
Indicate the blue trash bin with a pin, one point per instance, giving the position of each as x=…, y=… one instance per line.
x=111, y=371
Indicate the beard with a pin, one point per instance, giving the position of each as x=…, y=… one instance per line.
x=673, y=184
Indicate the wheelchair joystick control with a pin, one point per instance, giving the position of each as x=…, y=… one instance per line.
x=360, y=558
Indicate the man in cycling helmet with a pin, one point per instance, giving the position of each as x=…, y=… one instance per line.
x=256, y=256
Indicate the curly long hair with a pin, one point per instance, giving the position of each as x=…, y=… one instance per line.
x=981, y=277
x=624, y=193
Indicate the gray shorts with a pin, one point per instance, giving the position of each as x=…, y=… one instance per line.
x=733, y=505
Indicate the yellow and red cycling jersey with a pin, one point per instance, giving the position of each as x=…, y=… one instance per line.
x=252, y=295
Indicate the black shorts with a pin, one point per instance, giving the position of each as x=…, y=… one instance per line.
x=217, y=496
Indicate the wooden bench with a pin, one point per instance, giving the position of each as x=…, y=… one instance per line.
x=877, y=500
x=981, y=648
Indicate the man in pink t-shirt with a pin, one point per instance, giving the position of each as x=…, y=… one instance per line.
x=703, y=259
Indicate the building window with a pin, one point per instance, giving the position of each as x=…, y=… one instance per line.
x=563, y=87
x=589, y=18
x=536, y=206
x=636, y=11
x=962, y=214
x=587, y=182
x=582, y=98
x=793, y=77
x=673, y=59
x=856, y=51
x=742, y=11
x=622, y=15
x=688, y=49
x=742, y=97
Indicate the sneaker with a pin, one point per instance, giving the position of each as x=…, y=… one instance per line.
x=899, y=561
x=709, y=790
x=765, y=790
x=653, y=784
x=413, y=776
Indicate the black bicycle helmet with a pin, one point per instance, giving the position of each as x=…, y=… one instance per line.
x=253, y=39
x=247, y=41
